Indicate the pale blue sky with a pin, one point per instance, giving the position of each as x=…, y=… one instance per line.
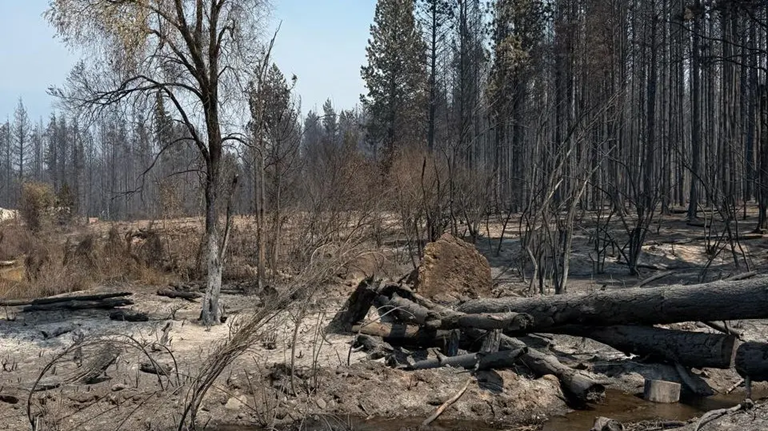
x=321, y=41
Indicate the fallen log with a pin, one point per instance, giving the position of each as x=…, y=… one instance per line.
x=59, y=330
x=9, y=399
x=374, y=346
x=408, y=335
x=170, y=293
x=104, y=304
x=14, y=302
x=356, y=307
x=93, y=297
x=156, y=368
x=128, y=316
x=55, y=299
x=690, y=349
x=445, y=318
x=579, y=384
x=719, y=300
x=479, y=361
x=751, y=363
x=91, y=372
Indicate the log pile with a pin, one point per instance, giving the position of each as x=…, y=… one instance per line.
x=101, y=301
x=415, y=321
x=481, y=333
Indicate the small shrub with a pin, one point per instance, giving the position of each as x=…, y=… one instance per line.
x=36, y=200
x=15, y=241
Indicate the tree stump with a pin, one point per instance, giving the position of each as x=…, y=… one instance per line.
x=661, y=391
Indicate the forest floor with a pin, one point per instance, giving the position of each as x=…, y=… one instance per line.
x=337, y=387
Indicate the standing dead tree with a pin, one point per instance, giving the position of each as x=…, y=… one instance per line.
x=548, y=223
x=196, y=53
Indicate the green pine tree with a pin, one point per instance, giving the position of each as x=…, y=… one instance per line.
x=395, y=77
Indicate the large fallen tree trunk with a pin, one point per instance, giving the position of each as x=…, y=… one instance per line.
x=690, y=349
x=444, y=318
x=719, y=300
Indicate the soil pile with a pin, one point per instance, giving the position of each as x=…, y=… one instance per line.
x=453, y=270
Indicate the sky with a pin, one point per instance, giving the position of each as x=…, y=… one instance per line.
x=322, y=42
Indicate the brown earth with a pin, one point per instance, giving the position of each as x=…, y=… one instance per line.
x=453, y=270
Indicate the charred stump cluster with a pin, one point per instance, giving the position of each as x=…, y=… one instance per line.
x=482, y=333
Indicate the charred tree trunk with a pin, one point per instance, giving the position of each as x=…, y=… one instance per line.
x=690, y=349
x=478, y=361
x=356, y=308
x=750, y=361
x=448, y=319
x=406, y=335
x=720, y=300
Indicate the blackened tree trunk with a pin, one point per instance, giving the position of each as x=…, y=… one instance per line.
x=719, y=300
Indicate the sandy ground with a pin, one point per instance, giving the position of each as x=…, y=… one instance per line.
x=331, y=378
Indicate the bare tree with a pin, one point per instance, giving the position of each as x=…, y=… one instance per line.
x=198, y=53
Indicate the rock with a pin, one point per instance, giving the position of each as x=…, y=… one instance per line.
x=9, y=399
x=119, y=387
x=607, y=424
x=321, y=403
x=452, y=269
x=233, y=404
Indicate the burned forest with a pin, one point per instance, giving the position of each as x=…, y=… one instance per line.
x=528, y=215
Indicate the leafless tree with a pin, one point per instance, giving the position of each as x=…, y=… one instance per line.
x=197, y=53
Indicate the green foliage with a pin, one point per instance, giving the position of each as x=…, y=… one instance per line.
x=396, y=79
x=518, y=29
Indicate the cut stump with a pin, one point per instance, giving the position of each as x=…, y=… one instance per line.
x=661, y=391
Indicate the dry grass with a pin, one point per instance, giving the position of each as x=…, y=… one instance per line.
x=51, y=262
x=65, y=259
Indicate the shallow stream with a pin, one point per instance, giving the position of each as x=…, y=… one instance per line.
x=618, y=405
x=633, y=408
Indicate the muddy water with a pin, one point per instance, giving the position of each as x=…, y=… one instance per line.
x=632, y=408
x=376, y=424
x=618, y=405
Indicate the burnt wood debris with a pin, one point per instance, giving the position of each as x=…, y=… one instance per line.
x=391, y=319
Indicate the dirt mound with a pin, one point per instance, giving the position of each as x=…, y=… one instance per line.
x=453, y=270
